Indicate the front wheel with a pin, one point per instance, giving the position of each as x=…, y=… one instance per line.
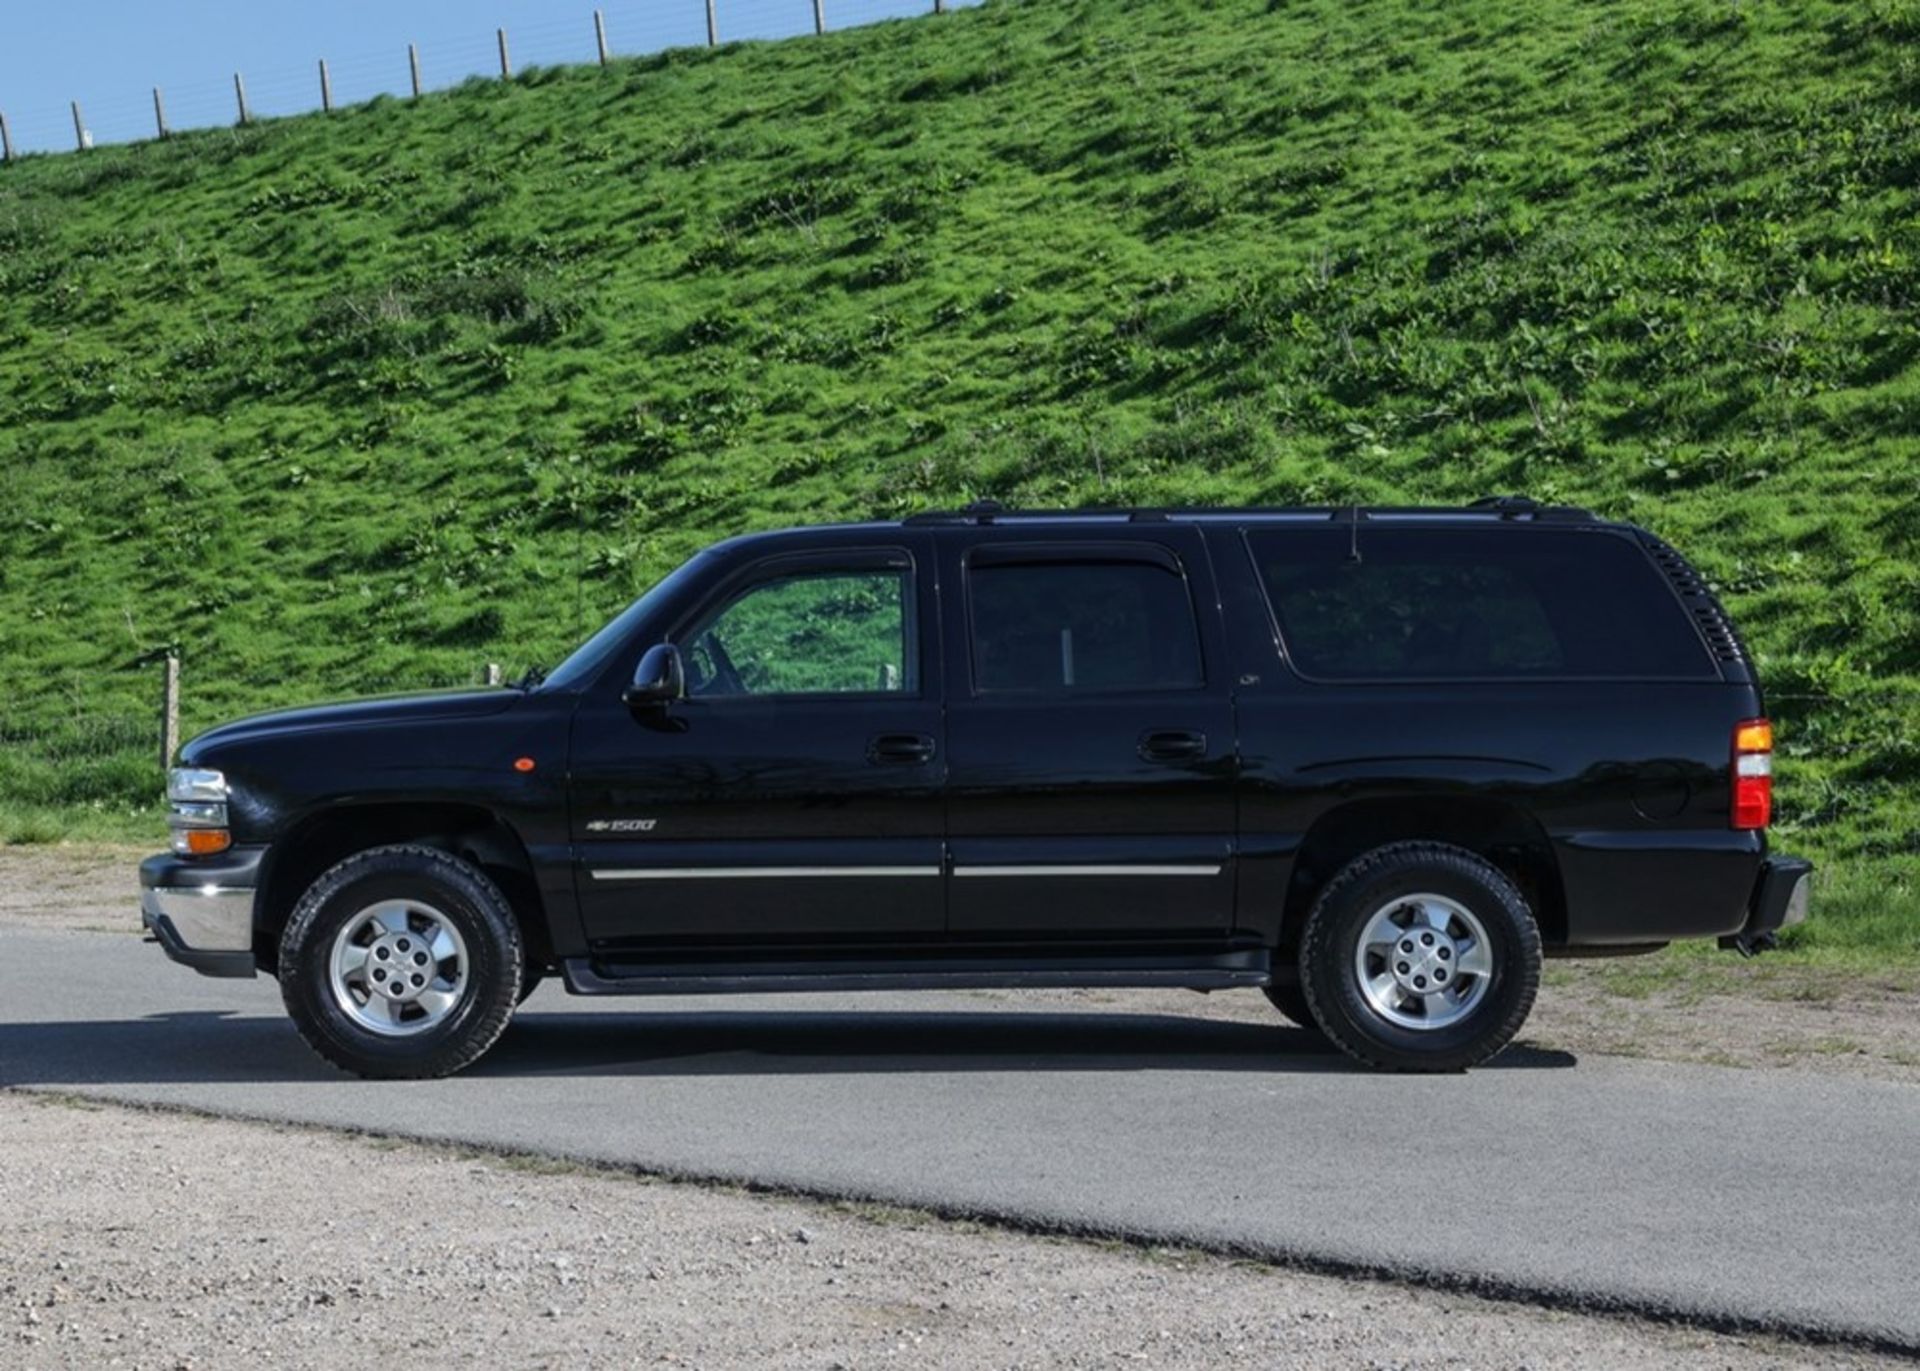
x=401, y=962
x=1420, y=957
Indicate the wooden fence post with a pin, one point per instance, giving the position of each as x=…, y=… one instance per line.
x=170, y=711
x=6, y=139
x=713, y=28
x=413, y=66
x=600, y=35
x=159, y=114
x=326, y=89
x=81, y=139
x=506, y=63
x=240, y=99
x=819, y=18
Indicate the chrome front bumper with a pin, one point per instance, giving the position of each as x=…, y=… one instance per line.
x=201, y=916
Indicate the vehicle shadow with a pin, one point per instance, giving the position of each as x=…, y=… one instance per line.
x=838, y=1042
x=215, y=1046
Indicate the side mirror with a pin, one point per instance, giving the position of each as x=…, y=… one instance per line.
x=660, y=679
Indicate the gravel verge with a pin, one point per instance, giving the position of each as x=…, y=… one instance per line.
x=141, y=1239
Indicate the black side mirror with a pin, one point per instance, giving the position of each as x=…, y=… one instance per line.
x=660, y=679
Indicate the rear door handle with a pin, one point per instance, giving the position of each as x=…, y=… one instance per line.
x=1172, y=745
x=900, y=749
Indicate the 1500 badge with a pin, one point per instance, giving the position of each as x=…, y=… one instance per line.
x=621, y=825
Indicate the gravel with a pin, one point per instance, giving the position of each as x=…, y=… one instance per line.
x=142, y=1239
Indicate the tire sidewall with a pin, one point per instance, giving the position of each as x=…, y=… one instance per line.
x=459, y=893
x=1333, y=986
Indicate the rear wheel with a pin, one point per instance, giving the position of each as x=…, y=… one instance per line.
x=1420, y=957
x=401, y=962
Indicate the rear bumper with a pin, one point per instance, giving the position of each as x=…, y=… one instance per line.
x=1781, y=897
x=201, y=911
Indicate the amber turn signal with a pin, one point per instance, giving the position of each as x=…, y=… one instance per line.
x=204, y=842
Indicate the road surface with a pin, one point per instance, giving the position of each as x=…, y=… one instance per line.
x=1754, y=1199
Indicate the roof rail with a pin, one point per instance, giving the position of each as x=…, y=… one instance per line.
x=977, y=512
x=1504, y=507
x=1526, y=507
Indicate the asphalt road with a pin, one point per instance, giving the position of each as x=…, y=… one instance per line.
x=1740, y=1198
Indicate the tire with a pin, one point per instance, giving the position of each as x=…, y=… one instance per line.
x=462, y=960
x=1291, y=1001
x=1463, y=990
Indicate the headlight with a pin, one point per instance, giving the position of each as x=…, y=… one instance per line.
x=193, y=783
x=197, y=811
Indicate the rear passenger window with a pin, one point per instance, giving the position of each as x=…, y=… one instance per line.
x=1081, y=625
x=1434, y=604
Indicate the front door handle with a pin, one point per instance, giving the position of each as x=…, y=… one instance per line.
x=900, y=749
x=1172, y=745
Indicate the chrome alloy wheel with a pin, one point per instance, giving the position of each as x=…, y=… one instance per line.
x=398, y=967
x=1423, y=962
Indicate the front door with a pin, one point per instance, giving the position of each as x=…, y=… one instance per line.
x=1090, y=738
x=795, y=795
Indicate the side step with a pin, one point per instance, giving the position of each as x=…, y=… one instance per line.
x=585, y=976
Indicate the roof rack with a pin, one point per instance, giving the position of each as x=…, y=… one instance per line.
x=1526, y=507
x=1502, y=507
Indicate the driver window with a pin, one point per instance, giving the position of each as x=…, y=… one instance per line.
x=810, y=633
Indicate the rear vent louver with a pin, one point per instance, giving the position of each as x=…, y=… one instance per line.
x=1722, y=639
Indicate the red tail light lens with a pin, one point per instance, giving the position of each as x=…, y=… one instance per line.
x=1753, y=774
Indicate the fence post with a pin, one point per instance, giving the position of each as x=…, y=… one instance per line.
x=493, y=673
x=413, y=66
x=506, y=63
x=159, y=114
x=240, y=99
x=6, y=139
x=600, y=35
x=819, y=18
x=713, y=28
x=170, y=711
x=326, y=89
x=81, y=138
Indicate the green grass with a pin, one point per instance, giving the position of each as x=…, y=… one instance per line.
x=354, y=402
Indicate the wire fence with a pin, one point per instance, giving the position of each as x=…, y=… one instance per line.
x=619, y=29
x=83, y=734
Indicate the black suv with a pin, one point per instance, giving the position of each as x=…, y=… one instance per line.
x=1376, y=762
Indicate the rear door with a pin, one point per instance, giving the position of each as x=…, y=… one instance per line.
x=1091, y=755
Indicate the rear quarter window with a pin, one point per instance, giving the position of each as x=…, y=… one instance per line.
x=1474, y=604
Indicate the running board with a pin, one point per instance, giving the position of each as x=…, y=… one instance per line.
x=587, y=977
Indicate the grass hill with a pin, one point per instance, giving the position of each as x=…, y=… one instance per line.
x=358, y=401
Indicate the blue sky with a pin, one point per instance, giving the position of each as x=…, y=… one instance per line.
x=109, y=54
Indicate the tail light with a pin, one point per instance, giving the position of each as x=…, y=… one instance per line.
x=1752, y=774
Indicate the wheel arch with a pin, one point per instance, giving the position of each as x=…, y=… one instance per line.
x=1501, y=831
x=321, y=839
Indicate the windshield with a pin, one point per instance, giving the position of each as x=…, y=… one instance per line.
x=590, y=656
